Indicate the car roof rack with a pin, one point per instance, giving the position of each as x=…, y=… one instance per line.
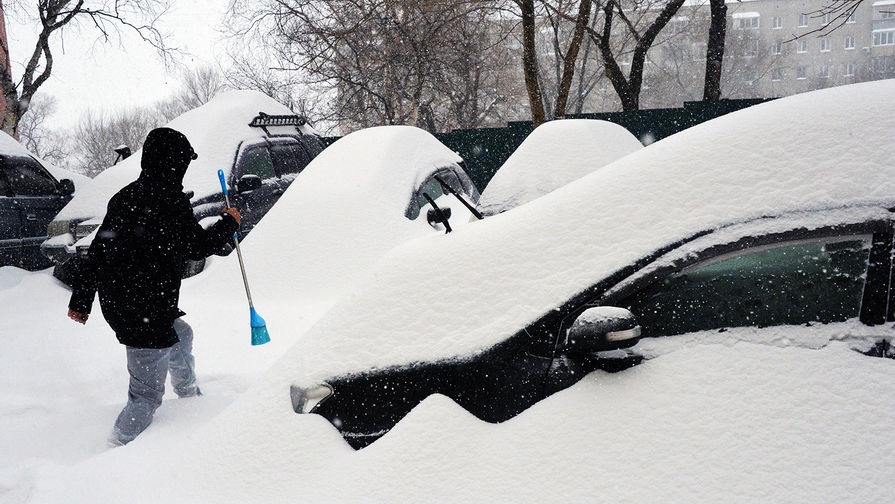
x=263, y=121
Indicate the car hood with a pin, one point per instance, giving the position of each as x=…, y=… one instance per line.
x=215, y=131
x=458, y=294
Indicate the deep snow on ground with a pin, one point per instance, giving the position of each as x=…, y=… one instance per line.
x=706, y=422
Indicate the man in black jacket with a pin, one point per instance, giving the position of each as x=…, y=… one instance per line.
x=136, y=263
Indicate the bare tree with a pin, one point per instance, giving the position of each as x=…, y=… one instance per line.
x=714, y=54
x=36, y=134
x=97, y=134
x=107, y=17
x=376, y=61
x=198, y=86
x=644, y=28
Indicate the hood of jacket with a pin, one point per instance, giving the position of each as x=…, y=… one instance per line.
x=166, y=155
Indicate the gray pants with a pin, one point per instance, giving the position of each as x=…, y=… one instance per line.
x=148, y=368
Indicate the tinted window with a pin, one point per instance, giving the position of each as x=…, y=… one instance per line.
x=431, y=187
x=27, y=178
x=256, y=161
x=288, y=158
x=795, y=283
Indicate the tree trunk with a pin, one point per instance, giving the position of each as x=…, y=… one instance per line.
x=530, y=62
x=714, y=54
x=568, y=70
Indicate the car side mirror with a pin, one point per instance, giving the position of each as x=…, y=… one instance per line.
x=248, y=183
x=433, y=218
x=602, y=328
x=66, y=187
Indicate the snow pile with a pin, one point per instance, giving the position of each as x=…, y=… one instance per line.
x=554, y=154
x=215, y=131
x=460, y=293
x=341, y=215
x=706, y=423
x=10, y=147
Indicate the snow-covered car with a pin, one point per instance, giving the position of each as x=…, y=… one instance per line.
x=733, y=228
x=259, y=143
x=32, y=192
x=554, y=154
x=368, y=192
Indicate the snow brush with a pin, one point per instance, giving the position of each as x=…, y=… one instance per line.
x=259, y=328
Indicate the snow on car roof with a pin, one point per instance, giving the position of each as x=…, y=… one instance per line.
x=554, y=154
x=11, y=147
x=345, y=210
x=461, y=293
x=215, y=130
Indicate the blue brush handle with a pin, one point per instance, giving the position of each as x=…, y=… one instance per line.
x=223, y=182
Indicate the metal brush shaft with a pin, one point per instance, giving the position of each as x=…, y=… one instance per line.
x=242, y=268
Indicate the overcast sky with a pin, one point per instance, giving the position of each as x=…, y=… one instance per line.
x=91, y=75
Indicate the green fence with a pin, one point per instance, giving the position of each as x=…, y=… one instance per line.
x=485, y=149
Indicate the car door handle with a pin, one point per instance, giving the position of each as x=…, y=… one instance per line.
x=31, y=217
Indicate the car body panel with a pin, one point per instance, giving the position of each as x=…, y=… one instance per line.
x=499, y=383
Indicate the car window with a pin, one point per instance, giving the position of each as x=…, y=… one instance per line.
x=3, y=186
x=289, y=158
x=431, y=187
x=27, y=178
x=256, y=160
x=794, y=283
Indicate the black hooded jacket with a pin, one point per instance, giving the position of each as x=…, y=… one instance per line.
x=138, y=257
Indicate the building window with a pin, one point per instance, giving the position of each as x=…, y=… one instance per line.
x=748, y=21
x=849, y=43
x=825, y=72
x=884, y=37
x=887, y=12
x=851, y=18
x=849, y=70
x=828, y=17
x=750, y=49
x=803, y=46
x=777, y=48
x=777, y=74
x=824, y=44
x=803, y=20
x=802, y=73
x=778, y=22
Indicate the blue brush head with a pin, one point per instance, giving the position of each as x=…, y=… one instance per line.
x=259, y=328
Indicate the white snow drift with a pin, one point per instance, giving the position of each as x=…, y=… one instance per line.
x=554, y=154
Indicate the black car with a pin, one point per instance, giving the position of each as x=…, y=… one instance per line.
x=29, y=199
x=760, y=273
x=263, y=168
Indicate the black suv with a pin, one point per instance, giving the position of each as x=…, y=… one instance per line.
x=29, y=199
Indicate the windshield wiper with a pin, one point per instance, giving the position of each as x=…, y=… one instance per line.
x=478, y=215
